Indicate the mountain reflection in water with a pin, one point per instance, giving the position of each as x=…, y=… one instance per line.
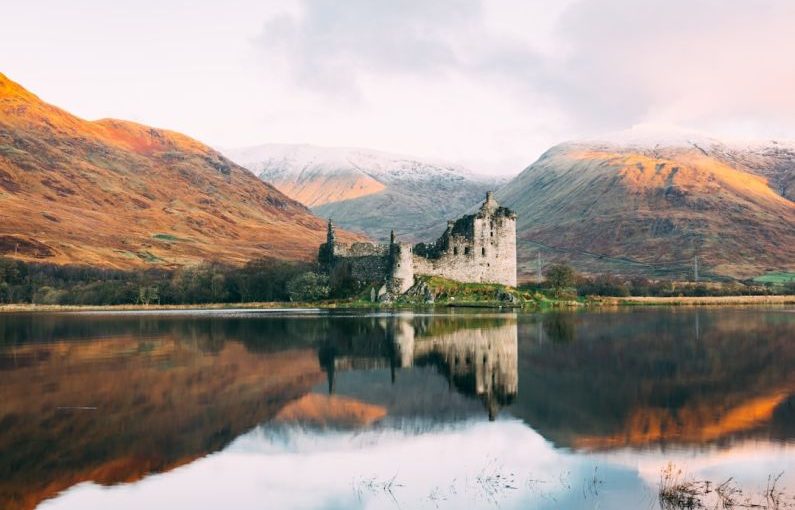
x=111, y=399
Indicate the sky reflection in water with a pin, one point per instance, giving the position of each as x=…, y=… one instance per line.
x=473, y=464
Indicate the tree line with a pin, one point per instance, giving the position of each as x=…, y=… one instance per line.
x=563, y=281
x=257, y=281
x=265, y=280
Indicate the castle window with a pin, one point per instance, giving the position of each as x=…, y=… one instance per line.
x=483, y=251
x=466, y=250
x=455, y=250
x=492, y=233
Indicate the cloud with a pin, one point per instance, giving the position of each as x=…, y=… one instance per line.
x=497, y=82
x=617, y=60
x=331, y=44
x=489, y=84
x=688, y=62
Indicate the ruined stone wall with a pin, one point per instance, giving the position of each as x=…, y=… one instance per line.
x=485, y=254
x=365, y=262
x=361, y=250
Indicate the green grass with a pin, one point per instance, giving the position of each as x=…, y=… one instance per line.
x=776, y=277
x=127, y=254
x=452, y=293
x=457, y=293
x=149, y=257
x=167, y=237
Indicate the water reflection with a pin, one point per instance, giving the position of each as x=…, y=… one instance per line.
x=477, y=358
x=114, y=399
x=658, y=377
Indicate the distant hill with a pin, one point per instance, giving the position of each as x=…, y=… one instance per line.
x=369, y=191
x=649, y=205
x=117, y=194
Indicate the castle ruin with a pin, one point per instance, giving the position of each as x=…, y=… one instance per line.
x=476, y=248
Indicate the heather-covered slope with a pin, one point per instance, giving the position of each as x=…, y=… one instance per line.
x=119, y=194
x=369, y=191
x=650, y=208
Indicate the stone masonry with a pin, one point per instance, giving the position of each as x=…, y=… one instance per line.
x=477, y=248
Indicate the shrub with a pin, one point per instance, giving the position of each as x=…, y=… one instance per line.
x=560, y=277
x=308, y=286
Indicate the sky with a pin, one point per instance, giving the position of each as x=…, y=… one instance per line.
x=486, y=84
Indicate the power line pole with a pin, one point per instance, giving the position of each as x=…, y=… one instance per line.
x=695, y=267
x=538, y=267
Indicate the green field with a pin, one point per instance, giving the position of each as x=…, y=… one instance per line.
x=776, y=278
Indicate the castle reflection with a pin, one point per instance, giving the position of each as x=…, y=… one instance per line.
x=477, y=357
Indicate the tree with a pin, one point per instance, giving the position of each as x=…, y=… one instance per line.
x=148, y=294
x=560, y=277
x=308, y=287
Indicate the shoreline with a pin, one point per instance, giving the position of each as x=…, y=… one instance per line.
x=692, y=301
x=596, y=301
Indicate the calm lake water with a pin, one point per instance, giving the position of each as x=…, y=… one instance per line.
x=335, y=410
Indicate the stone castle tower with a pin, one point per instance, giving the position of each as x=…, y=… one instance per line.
x=476, y=248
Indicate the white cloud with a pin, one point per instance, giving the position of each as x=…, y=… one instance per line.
x=494, y=84
x=490, y=84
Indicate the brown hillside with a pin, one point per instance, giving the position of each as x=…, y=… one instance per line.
x=119, y=194
x=152, y=407
x=650, y=211
x=328, y=189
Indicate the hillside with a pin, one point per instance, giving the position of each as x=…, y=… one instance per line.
x=368, y=191
x=646, y=207
x=117, y=194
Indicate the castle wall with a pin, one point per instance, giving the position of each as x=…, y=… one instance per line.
x=486, y=254
x=402, y=267
x=365, y=262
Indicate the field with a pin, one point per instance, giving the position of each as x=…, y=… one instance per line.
x=776, y=278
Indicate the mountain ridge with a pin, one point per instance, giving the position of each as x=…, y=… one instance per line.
x=369, y=191
x=633, y=209
x=114, y=193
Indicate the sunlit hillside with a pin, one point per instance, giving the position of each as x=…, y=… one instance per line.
x=117, y=194
x=652, y=210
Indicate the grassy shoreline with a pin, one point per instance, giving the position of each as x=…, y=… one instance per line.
x=692, y=301
x=591, y=302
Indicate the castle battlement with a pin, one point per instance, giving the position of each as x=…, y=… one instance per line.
x=476, y=248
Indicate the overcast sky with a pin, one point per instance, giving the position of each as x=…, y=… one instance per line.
x=490, y=84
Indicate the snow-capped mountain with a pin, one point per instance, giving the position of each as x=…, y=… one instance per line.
x=368, y=190
x=771, y=159
x=649, y=203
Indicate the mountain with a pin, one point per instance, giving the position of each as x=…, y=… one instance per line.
x=117, y=194
x=649, y=205
x=369, y=191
